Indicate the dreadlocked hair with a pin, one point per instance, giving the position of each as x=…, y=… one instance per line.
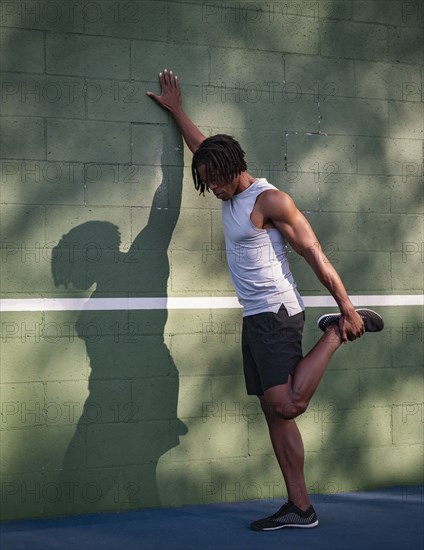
x=223, y=159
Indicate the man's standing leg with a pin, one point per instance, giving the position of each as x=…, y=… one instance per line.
x=283, y=402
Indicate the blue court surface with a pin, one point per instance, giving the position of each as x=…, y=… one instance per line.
x=383, y=519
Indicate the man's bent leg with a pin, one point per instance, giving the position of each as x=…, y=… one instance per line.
x=292, y=399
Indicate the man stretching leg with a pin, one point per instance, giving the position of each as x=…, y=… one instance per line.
x=258, y=220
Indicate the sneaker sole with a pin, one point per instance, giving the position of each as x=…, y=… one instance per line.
x=292, y=525
x=325, y=315
x=374, y=313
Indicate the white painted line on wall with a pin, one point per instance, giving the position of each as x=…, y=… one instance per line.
x=203, y=302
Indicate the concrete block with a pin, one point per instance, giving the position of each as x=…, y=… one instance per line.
x=231, y=390
x=183, y=482
x=289, y=111
x=232, y=68
x=406, y=120
x=371, y=351
x=406, y=191
x=363, y=272
x=406, y=45
x=100, y=489
x=354, y=40
x=195, y=396
x=396, y=386
x=359, y=429
x=387, y=232
x=33, y=182
x=28, y=270
x=145, y=355
x=408, y=268
x=399, y=465
x=344, y=470
x=392, y=12
x=65, y=402
x=152, y=229
x=305, y=279
x=331, y=10
x=360, y=272
x=145, y=19
x=302, y=187
x=405, y=325
x=259, y=439
x=98, y=141
x=337, y=390
x=156, y=398
x=148, y=322
x=211, y=440
x=188, y=61
x=330, y=154
x=61, y=358
x=354, y=117
x=324, y=78
x=323, y=482
x=109, y=401
x=22, y=226
x=204, y=24
x=387, y=156
x=122, y=100
x=264, y=151
x=33, y=95
x=190, y=274
x=183, y=236
x=11, y=323
x=115, y=274
x=215, y=106
x=408, y=423
x=323, y=224
x=124, y=184
x=22, y=137
x=128, y=443
x=20, y=453
x=282, y=32
x=47, y=15
x=309, y=426
x=90, y=56
x=158, y=145
x=87, y=233
x=219, y=351
x=22, y=50
x=22, y=405
x=22, y=496
x=388, y=81
x=258, y=478
x=355, y=193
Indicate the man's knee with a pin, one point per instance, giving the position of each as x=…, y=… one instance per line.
x=289, y=410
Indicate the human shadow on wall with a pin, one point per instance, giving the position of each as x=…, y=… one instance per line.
x=129, y=418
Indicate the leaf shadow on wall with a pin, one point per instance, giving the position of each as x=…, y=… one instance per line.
x=129, y=419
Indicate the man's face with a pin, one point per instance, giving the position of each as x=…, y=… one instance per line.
x=221, y=189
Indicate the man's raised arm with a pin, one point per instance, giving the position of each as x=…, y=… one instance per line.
x=170, y=100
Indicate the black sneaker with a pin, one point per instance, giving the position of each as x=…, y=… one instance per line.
x=372, y=320
x=289, y=515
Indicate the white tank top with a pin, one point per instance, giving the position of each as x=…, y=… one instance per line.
x=257, y=258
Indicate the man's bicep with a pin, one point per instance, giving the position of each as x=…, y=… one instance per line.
x=298, y=233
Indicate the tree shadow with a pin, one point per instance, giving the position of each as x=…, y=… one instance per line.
x=129, y=418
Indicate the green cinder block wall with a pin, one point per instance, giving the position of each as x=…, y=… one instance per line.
x=116, y=409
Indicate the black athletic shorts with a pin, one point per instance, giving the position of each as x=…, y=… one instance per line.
x=272, y=347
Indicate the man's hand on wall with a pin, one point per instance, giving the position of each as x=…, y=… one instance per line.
x=170, y=98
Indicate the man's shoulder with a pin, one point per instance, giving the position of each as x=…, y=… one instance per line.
x=274, y=203
x=272, y=196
